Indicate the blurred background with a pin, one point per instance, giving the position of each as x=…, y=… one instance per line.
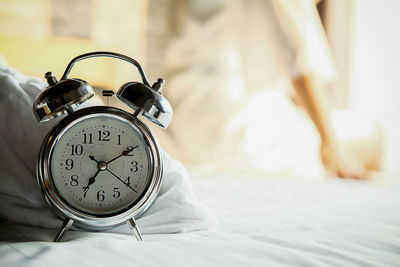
x=229, y=68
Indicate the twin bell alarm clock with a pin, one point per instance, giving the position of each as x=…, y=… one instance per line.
x=100, y=166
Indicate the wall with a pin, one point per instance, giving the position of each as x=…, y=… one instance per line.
x=376, y=69
x=39, y=36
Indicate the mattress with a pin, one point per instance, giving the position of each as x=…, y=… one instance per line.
x=261, y=222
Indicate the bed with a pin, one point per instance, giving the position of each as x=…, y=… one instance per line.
x=196, y=220
x=261, y=222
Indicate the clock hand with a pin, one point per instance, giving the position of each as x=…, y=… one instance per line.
x=126, y=152
x=92, y=158
x=121, y=180
x=90, y=182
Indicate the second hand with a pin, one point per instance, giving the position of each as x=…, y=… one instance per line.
x=121, y=180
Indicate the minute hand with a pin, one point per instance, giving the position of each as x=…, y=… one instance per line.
x=126, y=152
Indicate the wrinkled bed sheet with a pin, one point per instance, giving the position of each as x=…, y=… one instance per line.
x=262, y=222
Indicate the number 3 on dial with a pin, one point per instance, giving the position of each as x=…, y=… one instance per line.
x=134, y=167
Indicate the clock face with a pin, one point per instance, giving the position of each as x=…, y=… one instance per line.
x=100, y=164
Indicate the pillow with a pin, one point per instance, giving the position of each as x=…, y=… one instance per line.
x=174, y=210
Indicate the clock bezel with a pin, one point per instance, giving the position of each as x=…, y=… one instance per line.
x=66, y=209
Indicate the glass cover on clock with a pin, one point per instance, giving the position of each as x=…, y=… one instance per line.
x=100, y=164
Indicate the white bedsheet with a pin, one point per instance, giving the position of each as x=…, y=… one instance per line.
x=262, y=222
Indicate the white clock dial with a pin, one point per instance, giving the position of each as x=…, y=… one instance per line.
x=100, y=164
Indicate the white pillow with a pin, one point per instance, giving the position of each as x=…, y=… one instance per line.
x=174, y=210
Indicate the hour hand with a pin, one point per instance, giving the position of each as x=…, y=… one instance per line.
x=92, y=158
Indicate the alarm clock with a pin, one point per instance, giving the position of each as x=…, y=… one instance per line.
x=100, y=166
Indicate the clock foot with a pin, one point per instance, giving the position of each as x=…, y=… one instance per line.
x=64, y=228
x=132, y=224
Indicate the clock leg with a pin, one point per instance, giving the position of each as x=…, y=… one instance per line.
x=64, y=227
x=132, y=224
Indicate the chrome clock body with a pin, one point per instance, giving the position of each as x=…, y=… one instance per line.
x=89, y=182
x=50, y=184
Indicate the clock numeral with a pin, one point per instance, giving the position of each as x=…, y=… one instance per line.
x=116, y=192
x=69, y=163
x=128, y=181
x=74, y=180
x=104, y=136
x=100, y=195
x=119, y=140
x=135, y=167
x=76, y=150
x=85, y=190
x=87, y=138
